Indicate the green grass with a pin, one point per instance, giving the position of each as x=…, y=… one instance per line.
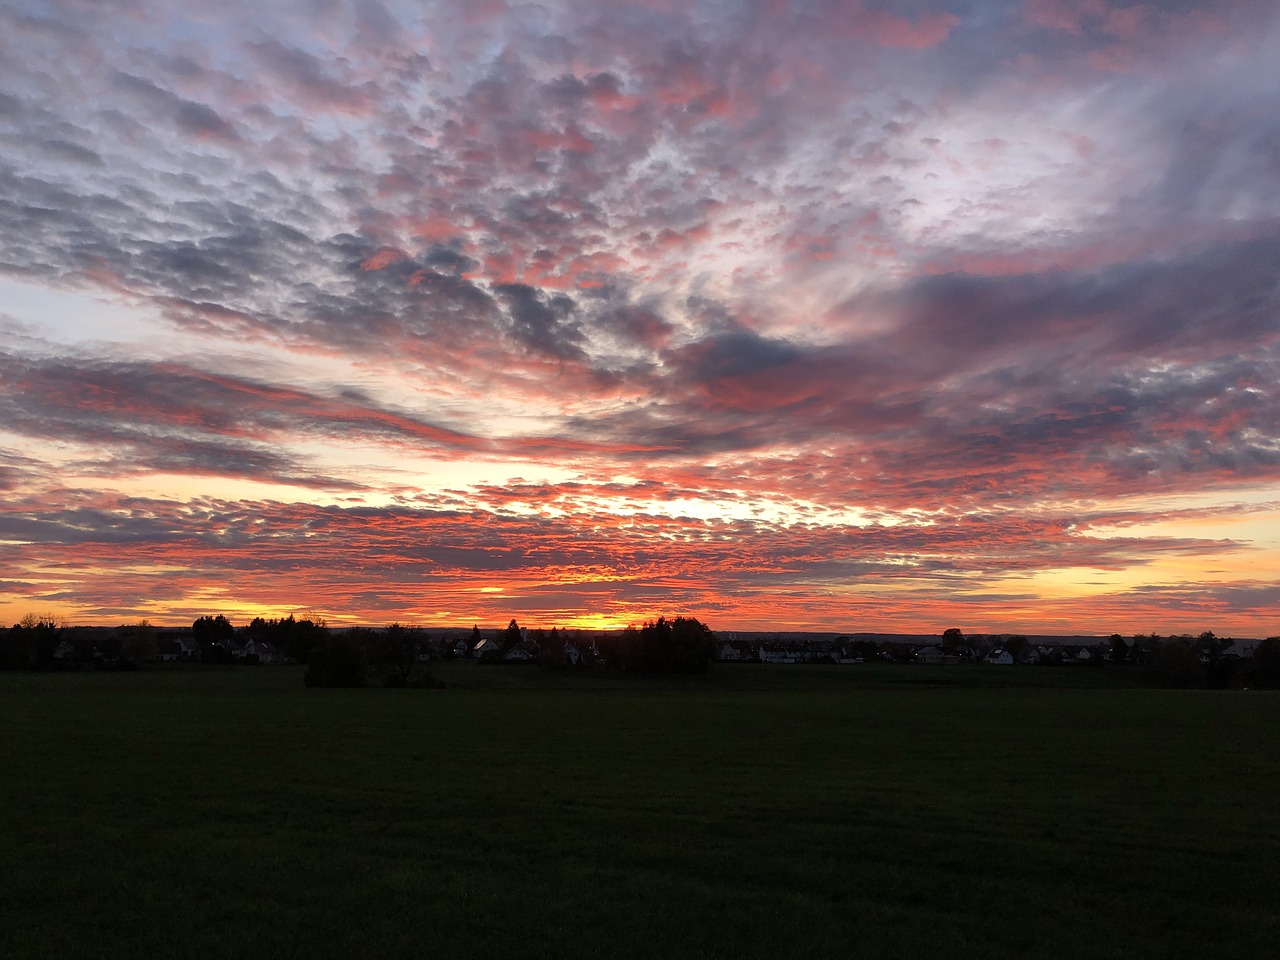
x=765, y=812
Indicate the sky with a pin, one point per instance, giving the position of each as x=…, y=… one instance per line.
x=871, y=315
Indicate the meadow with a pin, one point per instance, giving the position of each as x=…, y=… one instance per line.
x=762, y=812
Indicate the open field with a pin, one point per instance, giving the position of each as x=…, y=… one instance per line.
x=767, y=812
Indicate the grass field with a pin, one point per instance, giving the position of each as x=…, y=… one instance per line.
x=765, y=812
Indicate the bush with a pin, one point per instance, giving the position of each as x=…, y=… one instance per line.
x=1179, y=665
x=1264, y=668
x=335, y=663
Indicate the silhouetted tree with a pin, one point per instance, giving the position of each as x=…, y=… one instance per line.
x=952, y=639
x=297, y=637
x=1178, y=664
x=682, y=645
x=212, y=629
x=395, y=648
x=1119, y=649
x=1264, y=666
x=1218, y=669
x=31, y=642
x=212, y=633
x=511, y=636
x=865, y=650
x=1017, y=645
x=337, y=662
x=138, y=642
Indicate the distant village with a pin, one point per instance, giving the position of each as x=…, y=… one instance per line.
x=44, y=643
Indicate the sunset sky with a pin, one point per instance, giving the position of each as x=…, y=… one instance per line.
x=882, y=315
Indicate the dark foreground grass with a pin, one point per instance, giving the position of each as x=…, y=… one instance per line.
x=784, y=813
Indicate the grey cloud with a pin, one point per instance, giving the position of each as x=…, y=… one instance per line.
x=66, y=150
x=733, y=352
x=194, y=118
x=307, y=76
x=127, y=401
x=18, y=471
x=159, y=418
x=1214, y=298
x=198, y=119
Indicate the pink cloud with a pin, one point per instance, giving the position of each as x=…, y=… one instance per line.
x=1068, y=15
x=890, y=31
x=852, y=18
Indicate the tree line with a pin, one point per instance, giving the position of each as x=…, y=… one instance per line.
x=396, y=655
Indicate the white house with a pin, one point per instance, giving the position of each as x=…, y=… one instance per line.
x=264, y=651
x=734, y=650
x=778, y=653
x=1000, y=656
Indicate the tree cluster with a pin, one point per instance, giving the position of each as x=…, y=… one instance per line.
x=45, y=642
x=296, y=637
x=30, y=643
x=1202, y=661
x=351, y=658
x=682, y=645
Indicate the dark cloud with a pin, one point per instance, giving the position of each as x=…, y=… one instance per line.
x=544, y=323
x=66, y=150
x=18, y=471
x=731, y=353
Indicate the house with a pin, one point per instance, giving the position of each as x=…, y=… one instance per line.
x=1237, y=650
x=461, y=649
x=486, y=649
x=779, y=653
x=264, y=651
x=572, y=656
x=935, y=655
x=517, y=654
x=999, y=656
x=731, y=650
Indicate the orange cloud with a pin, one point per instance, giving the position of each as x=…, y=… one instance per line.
x=383, y=258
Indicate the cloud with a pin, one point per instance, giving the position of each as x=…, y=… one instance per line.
x=307, y=80
x=196, y=119
x=295, y=555
x=783, y=264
